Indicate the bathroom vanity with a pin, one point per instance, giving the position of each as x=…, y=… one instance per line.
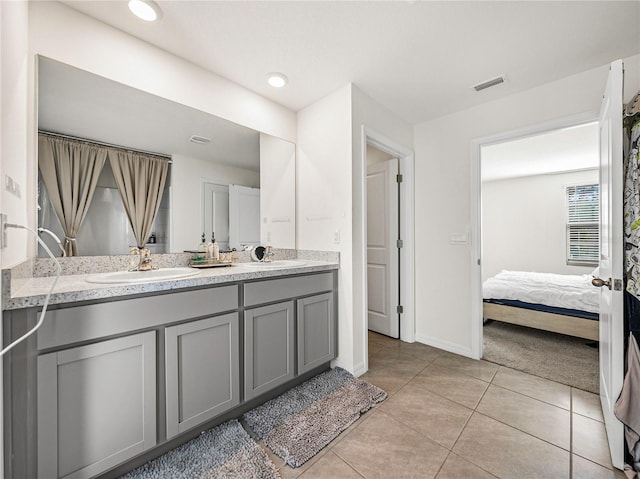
x=109, y=382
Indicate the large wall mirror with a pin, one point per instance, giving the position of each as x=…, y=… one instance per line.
x=223, y=177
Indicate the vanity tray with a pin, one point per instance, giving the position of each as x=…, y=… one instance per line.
x=206, y=264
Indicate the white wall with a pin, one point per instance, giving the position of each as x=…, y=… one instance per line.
x=330, y=176
x=367, y=113
x=14, y=121
x=324, y=197
x=186, y=195
x=443, y=171
x=277, y=192
x=66, y=35
x=59, y=32
x=524, y=223
x=13, y=141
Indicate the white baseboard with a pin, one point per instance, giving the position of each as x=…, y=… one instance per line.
x=340, y=364
x=359, y=369
x=445, y=345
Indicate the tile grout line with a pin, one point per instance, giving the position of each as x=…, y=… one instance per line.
x=531, y=397
x=518, y=429
x=443, y=463
x=569, y=409
x=349, y=464
x=473, y=411
x=571, y=433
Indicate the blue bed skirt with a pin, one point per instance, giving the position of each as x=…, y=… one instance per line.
x=547, y=309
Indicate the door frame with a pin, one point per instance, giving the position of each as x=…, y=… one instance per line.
x=476, y=208
x=407, y=264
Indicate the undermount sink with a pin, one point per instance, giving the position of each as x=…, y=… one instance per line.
x=142, y=276
x=284, y=263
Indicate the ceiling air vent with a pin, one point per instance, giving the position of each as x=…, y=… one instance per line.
x=199, y=140
x=489, y=83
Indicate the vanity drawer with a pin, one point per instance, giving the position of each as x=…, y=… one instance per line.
x=82, y=323
x=285, y=288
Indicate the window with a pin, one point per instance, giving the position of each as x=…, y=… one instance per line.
x=583, y=225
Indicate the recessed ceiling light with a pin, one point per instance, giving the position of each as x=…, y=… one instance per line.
x=145, y=9
x=277, y=80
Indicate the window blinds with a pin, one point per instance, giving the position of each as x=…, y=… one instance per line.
x=583, y=224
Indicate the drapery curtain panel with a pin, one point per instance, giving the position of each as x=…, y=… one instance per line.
x=140, y=179
x=70, y=170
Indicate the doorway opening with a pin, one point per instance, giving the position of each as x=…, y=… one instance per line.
x=537, y=244
x=389, y=163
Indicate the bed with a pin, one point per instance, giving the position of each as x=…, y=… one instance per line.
x=566, y=304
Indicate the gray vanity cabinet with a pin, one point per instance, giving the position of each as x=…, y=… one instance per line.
x=316, y=335
x=202, y=371
x=118, y=380
x=268, y=348
x=96, y=406
x=290, y=337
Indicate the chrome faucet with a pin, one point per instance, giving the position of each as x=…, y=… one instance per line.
x=145, y=263
x=268, y=254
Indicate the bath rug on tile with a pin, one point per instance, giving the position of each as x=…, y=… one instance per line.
x=302, y=421
x=222, y=452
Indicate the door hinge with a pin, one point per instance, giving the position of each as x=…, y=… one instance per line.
x=399, y=309
x=398, y=178
x=399, y=244
x=617, y=285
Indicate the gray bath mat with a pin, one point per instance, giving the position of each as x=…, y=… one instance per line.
x=222, y=452
x=302, y=421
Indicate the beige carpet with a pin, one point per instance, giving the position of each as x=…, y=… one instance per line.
x=561, y=358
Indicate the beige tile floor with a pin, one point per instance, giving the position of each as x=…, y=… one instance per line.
x=449, y=417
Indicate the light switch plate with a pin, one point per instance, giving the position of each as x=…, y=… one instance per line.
x=460, y=238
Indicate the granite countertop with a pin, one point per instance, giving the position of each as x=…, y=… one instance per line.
x=74, y=288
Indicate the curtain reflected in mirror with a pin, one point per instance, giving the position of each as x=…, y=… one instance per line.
x=70, y=170
x=78, y=104
x=78, y=184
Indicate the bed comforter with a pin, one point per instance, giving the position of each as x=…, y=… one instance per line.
x=557, y=290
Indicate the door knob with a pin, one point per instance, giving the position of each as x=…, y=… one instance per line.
x=599, y=283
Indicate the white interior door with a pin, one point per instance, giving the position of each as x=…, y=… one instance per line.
x=215, y=211
x=382, y=250
x=611, y=260
x=244, y=216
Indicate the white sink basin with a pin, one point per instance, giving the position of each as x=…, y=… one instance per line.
x=280, y=264
x=142, y=276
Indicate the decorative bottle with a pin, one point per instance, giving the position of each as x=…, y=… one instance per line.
x=214, y=250
x=202, y=247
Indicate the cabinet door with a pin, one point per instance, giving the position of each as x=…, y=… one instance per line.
x=202, y=370
x=96, y=406
x=316, y=342
x=268, y=348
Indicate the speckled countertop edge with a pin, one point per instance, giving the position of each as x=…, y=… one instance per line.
x=75, y=288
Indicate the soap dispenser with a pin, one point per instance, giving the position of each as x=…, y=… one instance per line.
x=213, y=249
x=202, y=247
